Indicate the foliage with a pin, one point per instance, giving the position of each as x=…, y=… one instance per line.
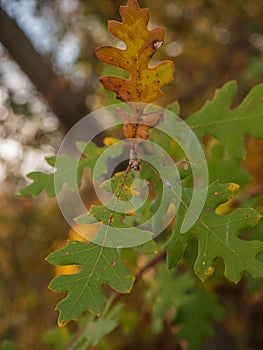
x=69, y=170
x=184, y=303
x=95, y=330
x=217, y=119
x=144, y=82
x=217, y=234
x=218, y=237
x=99, y=265
x=92, y=332
x=224, y=168
x=141, y=44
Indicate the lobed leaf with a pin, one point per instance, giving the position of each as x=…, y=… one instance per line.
x=68, y=170
x=217, y=237
x=229, y=126
x=99, y=265
x=145, y=82
x=141, y=44
x=41, y=181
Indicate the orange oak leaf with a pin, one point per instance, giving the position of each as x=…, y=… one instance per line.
x=141, y=44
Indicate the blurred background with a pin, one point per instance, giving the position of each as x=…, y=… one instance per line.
x=49, y=80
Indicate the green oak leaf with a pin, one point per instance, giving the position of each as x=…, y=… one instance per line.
x=217, y=236
x=229, y=126
x=41, y=181
x=99, y=265
x=69, y=170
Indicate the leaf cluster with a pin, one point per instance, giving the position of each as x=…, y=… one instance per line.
x=100, y=261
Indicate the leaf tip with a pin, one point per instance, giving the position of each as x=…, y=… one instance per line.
x=62, y=323
x=132, y=3
x=258, y=217
x=132, y=280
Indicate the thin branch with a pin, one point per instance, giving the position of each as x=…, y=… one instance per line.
x=156, y=260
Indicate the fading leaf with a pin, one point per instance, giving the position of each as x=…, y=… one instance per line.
x=141, y=44
x=144, y=84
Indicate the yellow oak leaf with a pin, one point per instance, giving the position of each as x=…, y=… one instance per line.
x=141, y=44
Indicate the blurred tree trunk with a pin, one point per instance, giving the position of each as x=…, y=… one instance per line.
x=68, y=105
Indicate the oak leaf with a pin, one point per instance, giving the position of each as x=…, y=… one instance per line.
x=230, y=125
x=145, y=82
x=218, y=236
x=99, y=266
x=141, y=44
